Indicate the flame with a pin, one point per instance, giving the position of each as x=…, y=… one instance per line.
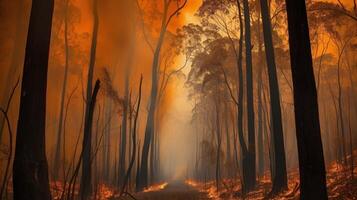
x=156, y=187
x=208, y=188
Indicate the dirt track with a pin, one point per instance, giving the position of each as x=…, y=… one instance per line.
x=173, y=191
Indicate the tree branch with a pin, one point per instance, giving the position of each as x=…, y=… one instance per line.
x=175, y=13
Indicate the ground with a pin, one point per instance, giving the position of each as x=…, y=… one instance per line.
x=177, y=190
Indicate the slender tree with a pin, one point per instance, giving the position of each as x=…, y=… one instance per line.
x=280, y=178
x=260, y=136
x=243, y=145
x=250, y=99
x=150, y=128
x=308, y=133
x=86, y=152
x=87, y=136
x=132, y=159
x=30, y=170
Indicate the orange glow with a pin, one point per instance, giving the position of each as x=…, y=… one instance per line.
x=156, y=187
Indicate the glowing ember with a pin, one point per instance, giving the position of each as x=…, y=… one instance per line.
x=156, y=187
x=192, y=183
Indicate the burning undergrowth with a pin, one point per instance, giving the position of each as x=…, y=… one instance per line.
x=340, y=184
x=156, y=187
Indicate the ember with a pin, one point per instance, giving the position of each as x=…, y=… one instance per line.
x=156, y=187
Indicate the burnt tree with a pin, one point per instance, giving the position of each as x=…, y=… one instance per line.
x=85, y=188
x=280, y=178
x=30, y=169
x=308, y=133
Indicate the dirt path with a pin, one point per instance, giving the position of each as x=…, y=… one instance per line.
x=173, y=191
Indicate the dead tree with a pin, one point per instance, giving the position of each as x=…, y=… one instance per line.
x=150, y=124
x=280, y=180
x=87, y=138
x=308, y=133
x=86, y=149
x=132, y=160
x=30, y=169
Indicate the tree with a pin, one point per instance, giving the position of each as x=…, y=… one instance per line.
x=132, y=159
x=85, y=189
x=63, y=94
x=280, y=178
x=308, y=133
x=150, y=124
x=30, y=170
x=251, y=175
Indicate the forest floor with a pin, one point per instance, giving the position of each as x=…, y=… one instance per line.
x=340, y=185
x=172, y=191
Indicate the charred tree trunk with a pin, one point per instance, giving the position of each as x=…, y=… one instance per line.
x=260, y=106
x=340, y=110
x=57, y=158
x=30, y=170
x=280, y=178
x=132, y=160
x=85, y=189
x=244, y=148
x=122, y=157
x=311, y=158
x=149, y=130
x=250, y=99
x=106, y=143
x=137, y=168
x=150, y=122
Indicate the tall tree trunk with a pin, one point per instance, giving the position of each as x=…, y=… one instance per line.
x=340, y=110
x=30, y=170
x=219, y=142
x=228, y=140
x=85, y=189
x=122, y=156
x=137, y=168
x=86, y=181
x=108, y=144
x=150, y=124
x=250, y=98
x=132, y=160
x=57, y=158
x=260, y=106
x=308, y=133
x=244, y=148
x=280, y=178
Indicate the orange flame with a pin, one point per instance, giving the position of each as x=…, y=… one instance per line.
x=156, y=187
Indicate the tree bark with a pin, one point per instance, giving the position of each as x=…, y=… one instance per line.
x=132, y=160
x=150, y=124
x=250, y=99
x=260, y=104
x=280, y=178
x=308, y=133
x=85, y=189
x=122, y=157
x=30, y=169
x=244, y=148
